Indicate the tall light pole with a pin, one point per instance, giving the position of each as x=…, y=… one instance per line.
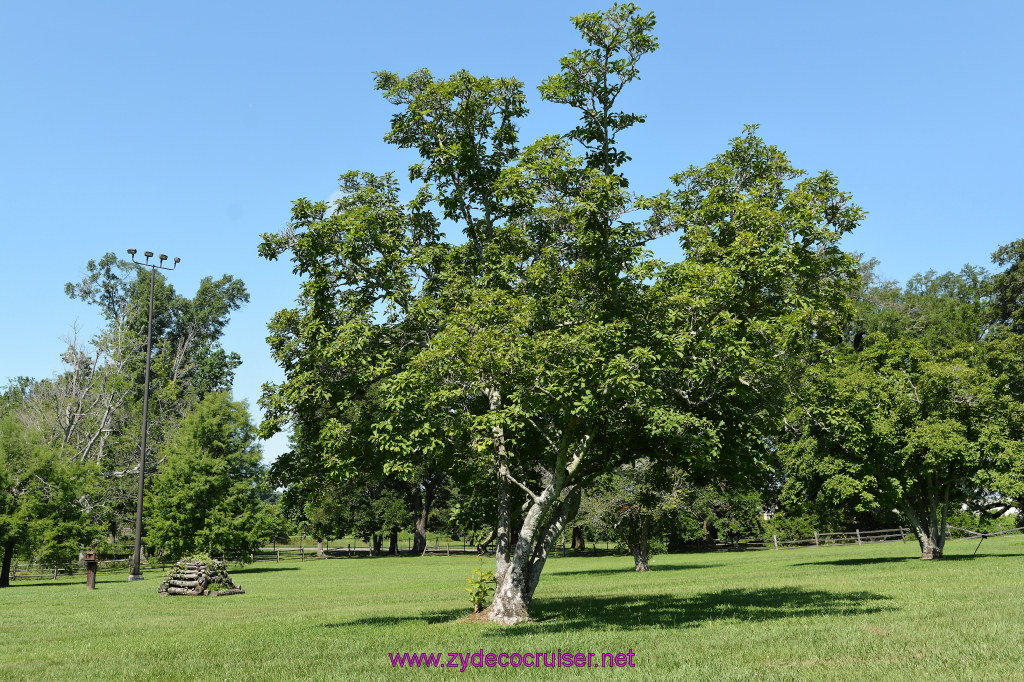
x=136, y=570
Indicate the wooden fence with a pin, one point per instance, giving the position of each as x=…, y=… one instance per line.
x=858, y=537
x=448, y=548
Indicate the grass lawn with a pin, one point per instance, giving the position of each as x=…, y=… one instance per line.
x=873, y=613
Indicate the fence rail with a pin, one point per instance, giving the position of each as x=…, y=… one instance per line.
x=301, y=553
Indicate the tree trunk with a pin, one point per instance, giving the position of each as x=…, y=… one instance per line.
x=377, y=540
x=393, y=543
x=578, y=542
x=640, y=557
x=503, y=529
x=930, y=529
x=635, y=533
x=423, y=505
x=641, y=552
x=320, y=548
x=481, y=547
x=510, y=605
x=546, y=517
x=545, y=520
x=5, y=570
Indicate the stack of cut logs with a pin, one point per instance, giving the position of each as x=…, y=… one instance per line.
x=194, y=578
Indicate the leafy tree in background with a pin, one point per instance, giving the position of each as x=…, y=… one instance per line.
x=549, y=347
x=630, y=501
x=714, y=512
x=898, y=425
x=1008, y=285
x=91, y=411
x=938, y=310
x=205, y=497
x=41, y=492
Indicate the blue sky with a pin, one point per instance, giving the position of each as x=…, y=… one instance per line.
x=188, y=128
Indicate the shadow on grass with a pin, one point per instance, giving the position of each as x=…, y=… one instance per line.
x=430, y=618
x=252, y=570
x=30, y=582
x=628, y=569
x=666, y=611
x=861, y=562
x=893, y=560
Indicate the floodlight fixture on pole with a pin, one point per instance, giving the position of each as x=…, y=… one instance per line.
x=136, y=570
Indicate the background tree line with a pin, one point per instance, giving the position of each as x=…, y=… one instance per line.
x=69, y=445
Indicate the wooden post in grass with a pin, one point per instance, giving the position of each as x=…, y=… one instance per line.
x=858, y=537
x=775, y=539
x=903, y=535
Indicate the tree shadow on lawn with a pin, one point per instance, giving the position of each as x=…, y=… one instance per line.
x=900, y=559
x=667, y=611
x=663, y=610
x=627, y=571
x=29, y=582
x=252, y=570
x=430, y=618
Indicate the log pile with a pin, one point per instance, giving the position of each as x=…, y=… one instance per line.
x=196, y=579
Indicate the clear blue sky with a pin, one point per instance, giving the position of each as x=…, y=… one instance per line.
x=188, y=128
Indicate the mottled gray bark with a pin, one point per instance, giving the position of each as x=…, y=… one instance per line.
x=423, y=504
x=929, y=521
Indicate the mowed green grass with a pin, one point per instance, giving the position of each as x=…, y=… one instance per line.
x=872, y=613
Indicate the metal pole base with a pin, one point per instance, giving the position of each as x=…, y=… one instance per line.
x=134, y=576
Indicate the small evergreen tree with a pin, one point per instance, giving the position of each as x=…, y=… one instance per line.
x=206, y=495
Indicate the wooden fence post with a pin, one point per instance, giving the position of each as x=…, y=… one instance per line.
x=816, y=544
x=858, y=537
x=775, y=539
x=278, y=552
x=903, y=535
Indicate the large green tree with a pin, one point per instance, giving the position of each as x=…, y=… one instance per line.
x=898, y=425
x=42, y=515
x=548, y=346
